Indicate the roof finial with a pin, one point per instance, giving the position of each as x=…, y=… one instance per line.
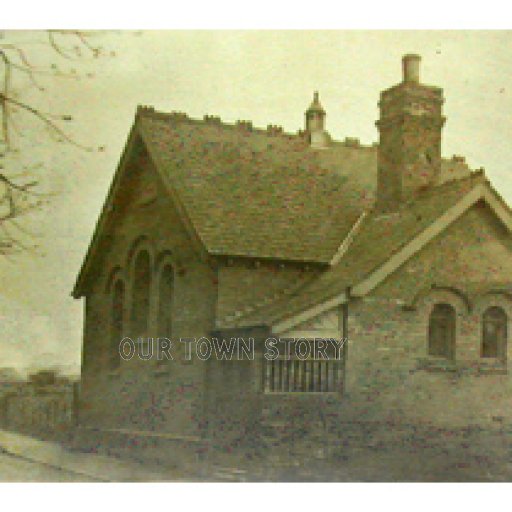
x=316, y=105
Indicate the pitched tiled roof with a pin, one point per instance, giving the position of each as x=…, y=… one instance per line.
x=249, y=193
x=263, y=193
x=379, y=237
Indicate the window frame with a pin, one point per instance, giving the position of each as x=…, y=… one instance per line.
x=139, y=323
x=501, y=344
x=117, y=314
x=165, y=312
x=447, y=322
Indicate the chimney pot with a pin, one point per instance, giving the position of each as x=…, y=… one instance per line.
x=411, y=68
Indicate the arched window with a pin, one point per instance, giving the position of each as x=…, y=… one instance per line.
x=494, y=333
x=441, y=331
x=141, y=285
x=116, y=332
x=165, y=302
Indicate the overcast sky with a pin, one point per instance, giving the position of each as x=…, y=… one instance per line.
x=263, y=76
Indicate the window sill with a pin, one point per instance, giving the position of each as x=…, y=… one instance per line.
x=437, y=365
x=492, y=367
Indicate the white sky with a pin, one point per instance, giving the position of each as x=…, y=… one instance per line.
x=264, y=76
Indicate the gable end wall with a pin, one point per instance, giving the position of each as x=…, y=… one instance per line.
x=143, y=395
x=389, y=374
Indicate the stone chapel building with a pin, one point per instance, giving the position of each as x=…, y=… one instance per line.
x=227, y=230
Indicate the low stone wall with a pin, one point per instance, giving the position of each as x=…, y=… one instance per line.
x=34, y=409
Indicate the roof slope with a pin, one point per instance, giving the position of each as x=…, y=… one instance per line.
x=264, y=193
x=378, y=238
x=256, y=193
x=249, y=193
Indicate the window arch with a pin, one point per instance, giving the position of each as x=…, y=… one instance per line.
x=116, y=332
x=141, y=286
x=441, y=331
x=494, y=333
x=165, y=301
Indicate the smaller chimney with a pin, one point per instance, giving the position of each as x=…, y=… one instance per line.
x=411, y=68
x=315, y=124
x=315, y=115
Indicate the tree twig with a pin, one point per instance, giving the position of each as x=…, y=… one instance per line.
x=44, y=118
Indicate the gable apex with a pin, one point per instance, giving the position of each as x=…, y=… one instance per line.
x=135, y=144
x=481, y=192
x=132, y=140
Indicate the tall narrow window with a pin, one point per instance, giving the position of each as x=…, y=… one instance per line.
x=494, y=333
x=165, y=302
x=441, y=331
x=140, y=295
x=116, y=333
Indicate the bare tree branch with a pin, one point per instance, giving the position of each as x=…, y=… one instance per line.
x=45, y=119
x=20, y=193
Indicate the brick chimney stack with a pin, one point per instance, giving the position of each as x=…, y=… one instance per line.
x=410, y=125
